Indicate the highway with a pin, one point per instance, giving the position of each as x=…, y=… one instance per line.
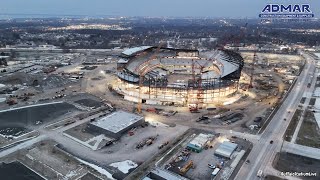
x=263, y=152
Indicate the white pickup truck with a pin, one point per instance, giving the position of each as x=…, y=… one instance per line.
x=259, y=173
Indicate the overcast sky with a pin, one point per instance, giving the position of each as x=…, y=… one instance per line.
x=178, y=8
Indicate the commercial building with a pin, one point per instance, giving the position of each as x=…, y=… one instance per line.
x=116, y=124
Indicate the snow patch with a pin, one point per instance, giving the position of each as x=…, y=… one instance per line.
x=124, y=166
x=97, y=168
x=158, y=124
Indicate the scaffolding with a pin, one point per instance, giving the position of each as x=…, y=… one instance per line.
x=159, y=91
x=148, y=80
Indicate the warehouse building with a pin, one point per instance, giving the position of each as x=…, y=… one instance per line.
x=199, y=142
x=162, y=174
x=226, y=149
x=116, y=124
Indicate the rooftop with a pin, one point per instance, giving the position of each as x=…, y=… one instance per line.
x=134, y=50
x=200, y=140
x=167, y=175
x=123, y=61
x=117, y=121
x=226, y=149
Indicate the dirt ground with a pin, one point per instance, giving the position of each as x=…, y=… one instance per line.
x=48, y=161
x=125, y=148
x=309, y=133
x=286, y=162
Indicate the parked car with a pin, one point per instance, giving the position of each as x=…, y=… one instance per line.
x=211, y=166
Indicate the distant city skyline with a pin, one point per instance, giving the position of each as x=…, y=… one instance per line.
x=162, y=8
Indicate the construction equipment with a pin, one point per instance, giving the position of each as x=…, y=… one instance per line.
x=163, y=144
x=11, y=102
x=186, y=167
x=154, y=110
x=193, y=108
x=130, y=133
x=149, y=142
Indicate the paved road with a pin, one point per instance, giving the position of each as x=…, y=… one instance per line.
x=301, y=150
x=261, y=155
x=33, y=105
x=308, y=94
x=47, y=134
x=263, y=152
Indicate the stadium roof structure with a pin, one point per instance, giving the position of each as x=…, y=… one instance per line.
x=224, y=64
x=132, y=51
x=123, y=61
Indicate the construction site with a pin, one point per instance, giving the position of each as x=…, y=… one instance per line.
x=140, y=113
x=164, y=76
x=202, y=156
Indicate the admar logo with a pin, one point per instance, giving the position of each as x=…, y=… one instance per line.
x=283, y=11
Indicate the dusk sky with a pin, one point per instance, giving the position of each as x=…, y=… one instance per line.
x=178, y=8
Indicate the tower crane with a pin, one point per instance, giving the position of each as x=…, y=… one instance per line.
x=252, y=69
x=199, y=102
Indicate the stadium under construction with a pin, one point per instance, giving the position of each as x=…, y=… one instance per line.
x=167, y=76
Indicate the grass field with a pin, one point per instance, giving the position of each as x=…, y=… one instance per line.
x=309, y=133
x=293, y=124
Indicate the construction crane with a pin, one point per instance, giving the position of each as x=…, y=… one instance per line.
x=252, y=69
x=199, y=102
x=254, y=59
x=145, y=69
x=194, y=109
